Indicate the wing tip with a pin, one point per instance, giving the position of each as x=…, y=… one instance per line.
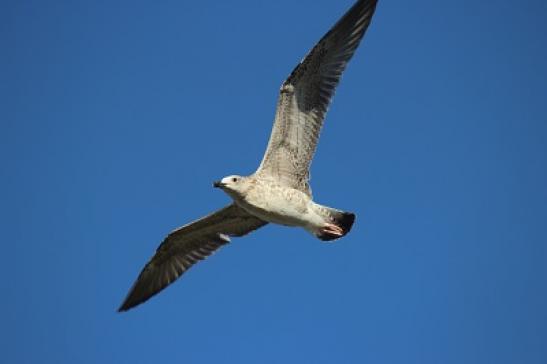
x=123, y=308
x=129, y=303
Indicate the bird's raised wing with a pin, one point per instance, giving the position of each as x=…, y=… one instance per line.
x=186, y=246
x=305, y=96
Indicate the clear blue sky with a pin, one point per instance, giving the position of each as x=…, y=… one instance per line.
x=116, y=117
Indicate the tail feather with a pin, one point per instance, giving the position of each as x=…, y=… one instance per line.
x=342, y=219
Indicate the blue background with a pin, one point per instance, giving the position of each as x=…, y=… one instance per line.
x=116, y=117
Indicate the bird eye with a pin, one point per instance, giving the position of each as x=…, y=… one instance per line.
x=234, y=179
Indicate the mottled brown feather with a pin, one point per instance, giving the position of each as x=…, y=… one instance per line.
x=186, y=246
x=305, y=96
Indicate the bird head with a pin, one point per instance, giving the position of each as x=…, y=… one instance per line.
x=233, y=185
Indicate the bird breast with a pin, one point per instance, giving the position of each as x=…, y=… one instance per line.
x=277, y=204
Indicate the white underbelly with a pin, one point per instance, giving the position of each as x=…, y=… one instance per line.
x=283, y=215
x=282, y=210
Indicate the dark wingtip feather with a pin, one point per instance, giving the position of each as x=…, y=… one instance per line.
x=345, y=221
x=342, y=219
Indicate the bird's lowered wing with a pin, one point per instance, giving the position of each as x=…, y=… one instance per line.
x=186, y=246
x=305, y=96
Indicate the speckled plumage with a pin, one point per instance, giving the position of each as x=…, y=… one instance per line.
x=279, y=191
x=274, y=202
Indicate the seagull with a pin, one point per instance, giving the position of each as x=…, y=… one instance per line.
x=279, y=191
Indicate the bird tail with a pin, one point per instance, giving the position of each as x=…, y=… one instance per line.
x=342, y=221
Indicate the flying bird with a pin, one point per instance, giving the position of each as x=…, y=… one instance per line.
x=279, y=191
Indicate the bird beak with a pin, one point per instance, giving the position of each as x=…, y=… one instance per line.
x=218, y=184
